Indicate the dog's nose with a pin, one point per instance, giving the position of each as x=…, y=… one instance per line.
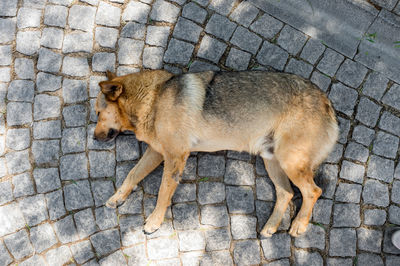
x=94, y=137
x=111, y=133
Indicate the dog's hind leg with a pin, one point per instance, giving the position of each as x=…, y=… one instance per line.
x=284, y=194
x=173, y=169
x=150, y=160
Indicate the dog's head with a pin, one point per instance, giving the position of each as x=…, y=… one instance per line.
x=109, y=122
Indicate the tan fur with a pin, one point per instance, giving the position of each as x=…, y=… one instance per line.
x=283, y=118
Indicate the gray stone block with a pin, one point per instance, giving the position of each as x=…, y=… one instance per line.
x=388, y=246
x=58, y=256
x=82, y=251
x=312, y=51
x=18, y=138
x=265, y=189
x=102, y=164
x=157, y=35
x=129, y=51
x=5, y=52
x=77, y=195
x=353, y=172
x=18, y=244
x=223, y=7
x=136, y=11
x=18, y=162
x=102, y=62
x=305, y=258
x=46, y=179
x=374, y=217
x=369, y=240
x=153, y=57
x=185, y=216
x=392, y=97
x=240, y=199
x=74, y=90
x=344, y=128
x=42, y=237
x=106, y=241
x=162, y=248
x=52, y=38
x=266, y=26
x=107, y=37
x=342, y=242
x=187, y=30
x=8, y=8
x=49, y=61
x=102, y=191
x=116, y=258
x=351, y=73
x=214, y=215
x=211, y=49
x=7, y=30
x=272, y=55
x=65, y=230
x=244, y=14
x=363, y=135
x=28, y=42
x=371, y=259
x=247, y=252
x=137, y=255
x=78, y=42
x=185, y=192
x=330, y=62
x=220, y=27
x=217, y=239
x=237, y=59
x=164, y=11
x=385, y=145
x=94, y=87
x=55, y=204
x=73, y=167
x=65, y=2
x=299, y=67
x=5, y=74
x=194, y=12
x=343, y=98
x=23, y=185
x=291, y=40
x=357, y=152
x=6, y=193
x=24, y=69
x=199, y=66
x=191, y=240
x=336, y=154
x=11, y=218
x=47, y=82
x=394, y=214
x=260, y=167
x=246, y=40
x=390, y=123
x=322, y=211
x=21, y=91
x=28, y=18
x=243, y=227
x=368, y=112
x=348, y=193
x=132, y=230
x=239, y=173
x=178, y=52
x=211, y=192
x=108, y=15
x=34, y=209
x=106, y=218
x=85, y=223
x=375, y=193
x=46, y=151
x=47, y=129
x=222, y=257
x=375, y=85
x=34, y=260
x=346, y=215
x=75, y=115
x=81, y=17
x=56, y=15
x=380, y=168
x=75, y=66
x=211, y=165
x=133, y=204
x=395, y=195
x=277, y=246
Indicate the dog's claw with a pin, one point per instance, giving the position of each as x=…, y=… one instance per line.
x=111, y=204
x=298, y=228
x=268, y=231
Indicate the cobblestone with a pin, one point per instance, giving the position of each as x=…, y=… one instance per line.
x=272, y=55
x=52, y=38
x=346, y=215
x=42, y=237
x=23, y=185
x=330, y=62
x=380, y=168
x=46, y=179
x=342, y=242
x=49, y=61
x=34, y=209
x=18, y=139
x=77, y=195
x=247, y=252
x=56, y=16
x=194, y=12
x=106, y=37
x=55, y=204
x=24, y=68
x=85, y=223
x=45, y=151
x=106, y=241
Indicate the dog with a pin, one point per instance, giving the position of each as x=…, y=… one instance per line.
x=281, y=117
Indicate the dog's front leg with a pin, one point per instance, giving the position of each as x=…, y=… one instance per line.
x=173, y=168
x=150, y=160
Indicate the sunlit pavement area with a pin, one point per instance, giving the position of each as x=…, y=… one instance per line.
x=55, y=179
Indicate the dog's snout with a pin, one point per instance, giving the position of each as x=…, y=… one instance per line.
x=94, y=137
x=111, y=133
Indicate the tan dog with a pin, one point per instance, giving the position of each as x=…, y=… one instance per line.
x=283, y=118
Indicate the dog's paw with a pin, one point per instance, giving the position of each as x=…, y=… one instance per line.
x=153, y=223
x=268, y=230
x=298, y=228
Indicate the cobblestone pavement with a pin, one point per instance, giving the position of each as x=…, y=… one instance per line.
x=55, y=179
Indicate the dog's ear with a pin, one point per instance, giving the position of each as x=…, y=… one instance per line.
x=111, y=89
x=110, y=75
